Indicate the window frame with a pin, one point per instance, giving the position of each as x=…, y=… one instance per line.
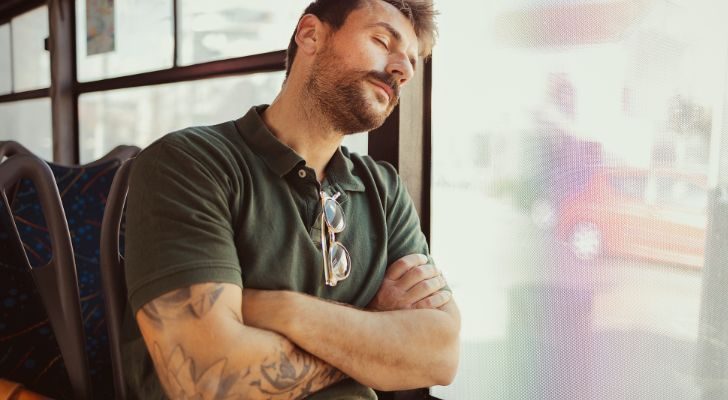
x=14, y=9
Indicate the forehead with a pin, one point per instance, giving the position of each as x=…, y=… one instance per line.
x=373, y=12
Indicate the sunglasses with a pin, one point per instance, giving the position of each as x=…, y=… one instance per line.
x=337, y=262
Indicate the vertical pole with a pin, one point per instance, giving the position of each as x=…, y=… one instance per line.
x=64, y=102
x=12, y=58
x=175, y=32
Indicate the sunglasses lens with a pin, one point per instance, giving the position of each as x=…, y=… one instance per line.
x=340, y=261
x=334, y=215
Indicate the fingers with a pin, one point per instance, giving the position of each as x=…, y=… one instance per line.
x=417, y=274
x=404, y=264
x=426, y=288
x=436, y=300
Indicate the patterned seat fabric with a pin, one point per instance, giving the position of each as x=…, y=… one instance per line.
x=32, y=356
x=29, y=352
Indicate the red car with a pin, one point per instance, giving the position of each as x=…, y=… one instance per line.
x=653, y=214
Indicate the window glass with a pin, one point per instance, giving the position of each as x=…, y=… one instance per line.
x=29, y=123
x=6, y=76
x=629, y=185
x=690, y=195
x=143, y=40
x=138, y=116
x=575, y=140
x=217, y=29
x=31, y=62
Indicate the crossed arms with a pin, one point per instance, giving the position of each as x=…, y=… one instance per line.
x=216, y=341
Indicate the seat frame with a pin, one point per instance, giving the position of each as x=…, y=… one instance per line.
x=113, y=280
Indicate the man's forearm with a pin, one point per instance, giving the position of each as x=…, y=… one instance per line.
x=201, y=350
x=385, y=350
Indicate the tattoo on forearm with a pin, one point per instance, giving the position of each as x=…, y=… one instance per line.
x=182, y=303
x=151, y=312
x=297, y=376
x=283, y=376
x=293, y=376
x=179, y=376
x=191, y=374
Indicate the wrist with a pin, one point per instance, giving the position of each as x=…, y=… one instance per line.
x=281, y=311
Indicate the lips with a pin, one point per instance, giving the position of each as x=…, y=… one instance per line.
x=387, y=89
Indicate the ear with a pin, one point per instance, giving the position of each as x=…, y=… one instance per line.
x=310, y=34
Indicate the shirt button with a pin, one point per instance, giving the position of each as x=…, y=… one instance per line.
x=301, y=173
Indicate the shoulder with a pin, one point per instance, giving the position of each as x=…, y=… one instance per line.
x=214, y=149
x=199, y=142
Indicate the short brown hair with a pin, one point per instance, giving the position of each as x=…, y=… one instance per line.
x=334, y=13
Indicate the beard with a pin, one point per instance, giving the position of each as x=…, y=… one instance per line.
x=341, y=96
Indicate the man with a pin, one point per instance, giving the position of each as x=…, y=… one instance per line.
x=264, y=261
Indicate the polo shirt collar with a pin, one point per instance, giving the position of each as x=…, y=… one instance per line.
x=281, y=159
x=340, y=172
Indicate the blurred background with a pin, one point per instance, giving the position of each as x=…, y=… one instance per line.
x=576, y=154
x=578, y=195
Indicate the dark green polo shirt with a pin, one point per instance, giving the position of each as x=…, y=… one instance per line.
x=230, y=203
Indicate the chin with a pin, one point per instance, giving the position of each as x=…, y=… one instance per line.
x=377, y=119
x=378, y=110
x=378, y=107
x=366, y=113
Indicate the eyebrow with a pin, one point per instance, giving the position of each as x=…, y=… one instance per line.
x=395, y=34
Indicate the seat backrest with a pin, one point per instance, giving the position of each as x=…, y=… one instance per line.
x=84, y=191
x=10, y=148
x=41, y=330
x=122, y=152
x=112, y=270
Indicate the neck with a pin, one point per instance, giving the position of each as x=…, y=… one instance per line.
x=295, y=120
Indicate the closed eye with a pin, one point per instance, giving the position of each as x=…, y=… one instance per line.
x=382, y=42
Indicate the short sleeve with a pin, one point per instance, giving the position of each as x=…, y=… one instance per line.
x=178, y=225
x=404, y=231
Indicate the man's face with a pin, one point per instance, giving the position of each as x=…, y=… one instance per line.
x=357, y=78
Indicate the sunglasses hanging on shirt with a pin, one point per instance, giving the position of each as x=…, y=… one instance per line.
x=337, y=262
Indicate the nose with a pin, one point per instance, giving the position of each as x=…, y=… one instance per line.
x=400, y=67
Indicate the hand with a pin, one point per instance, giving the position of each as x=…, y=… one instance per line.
x=410, y=283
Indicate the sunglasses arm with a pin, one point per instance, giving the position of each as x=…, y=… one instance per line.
x=324, y=253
